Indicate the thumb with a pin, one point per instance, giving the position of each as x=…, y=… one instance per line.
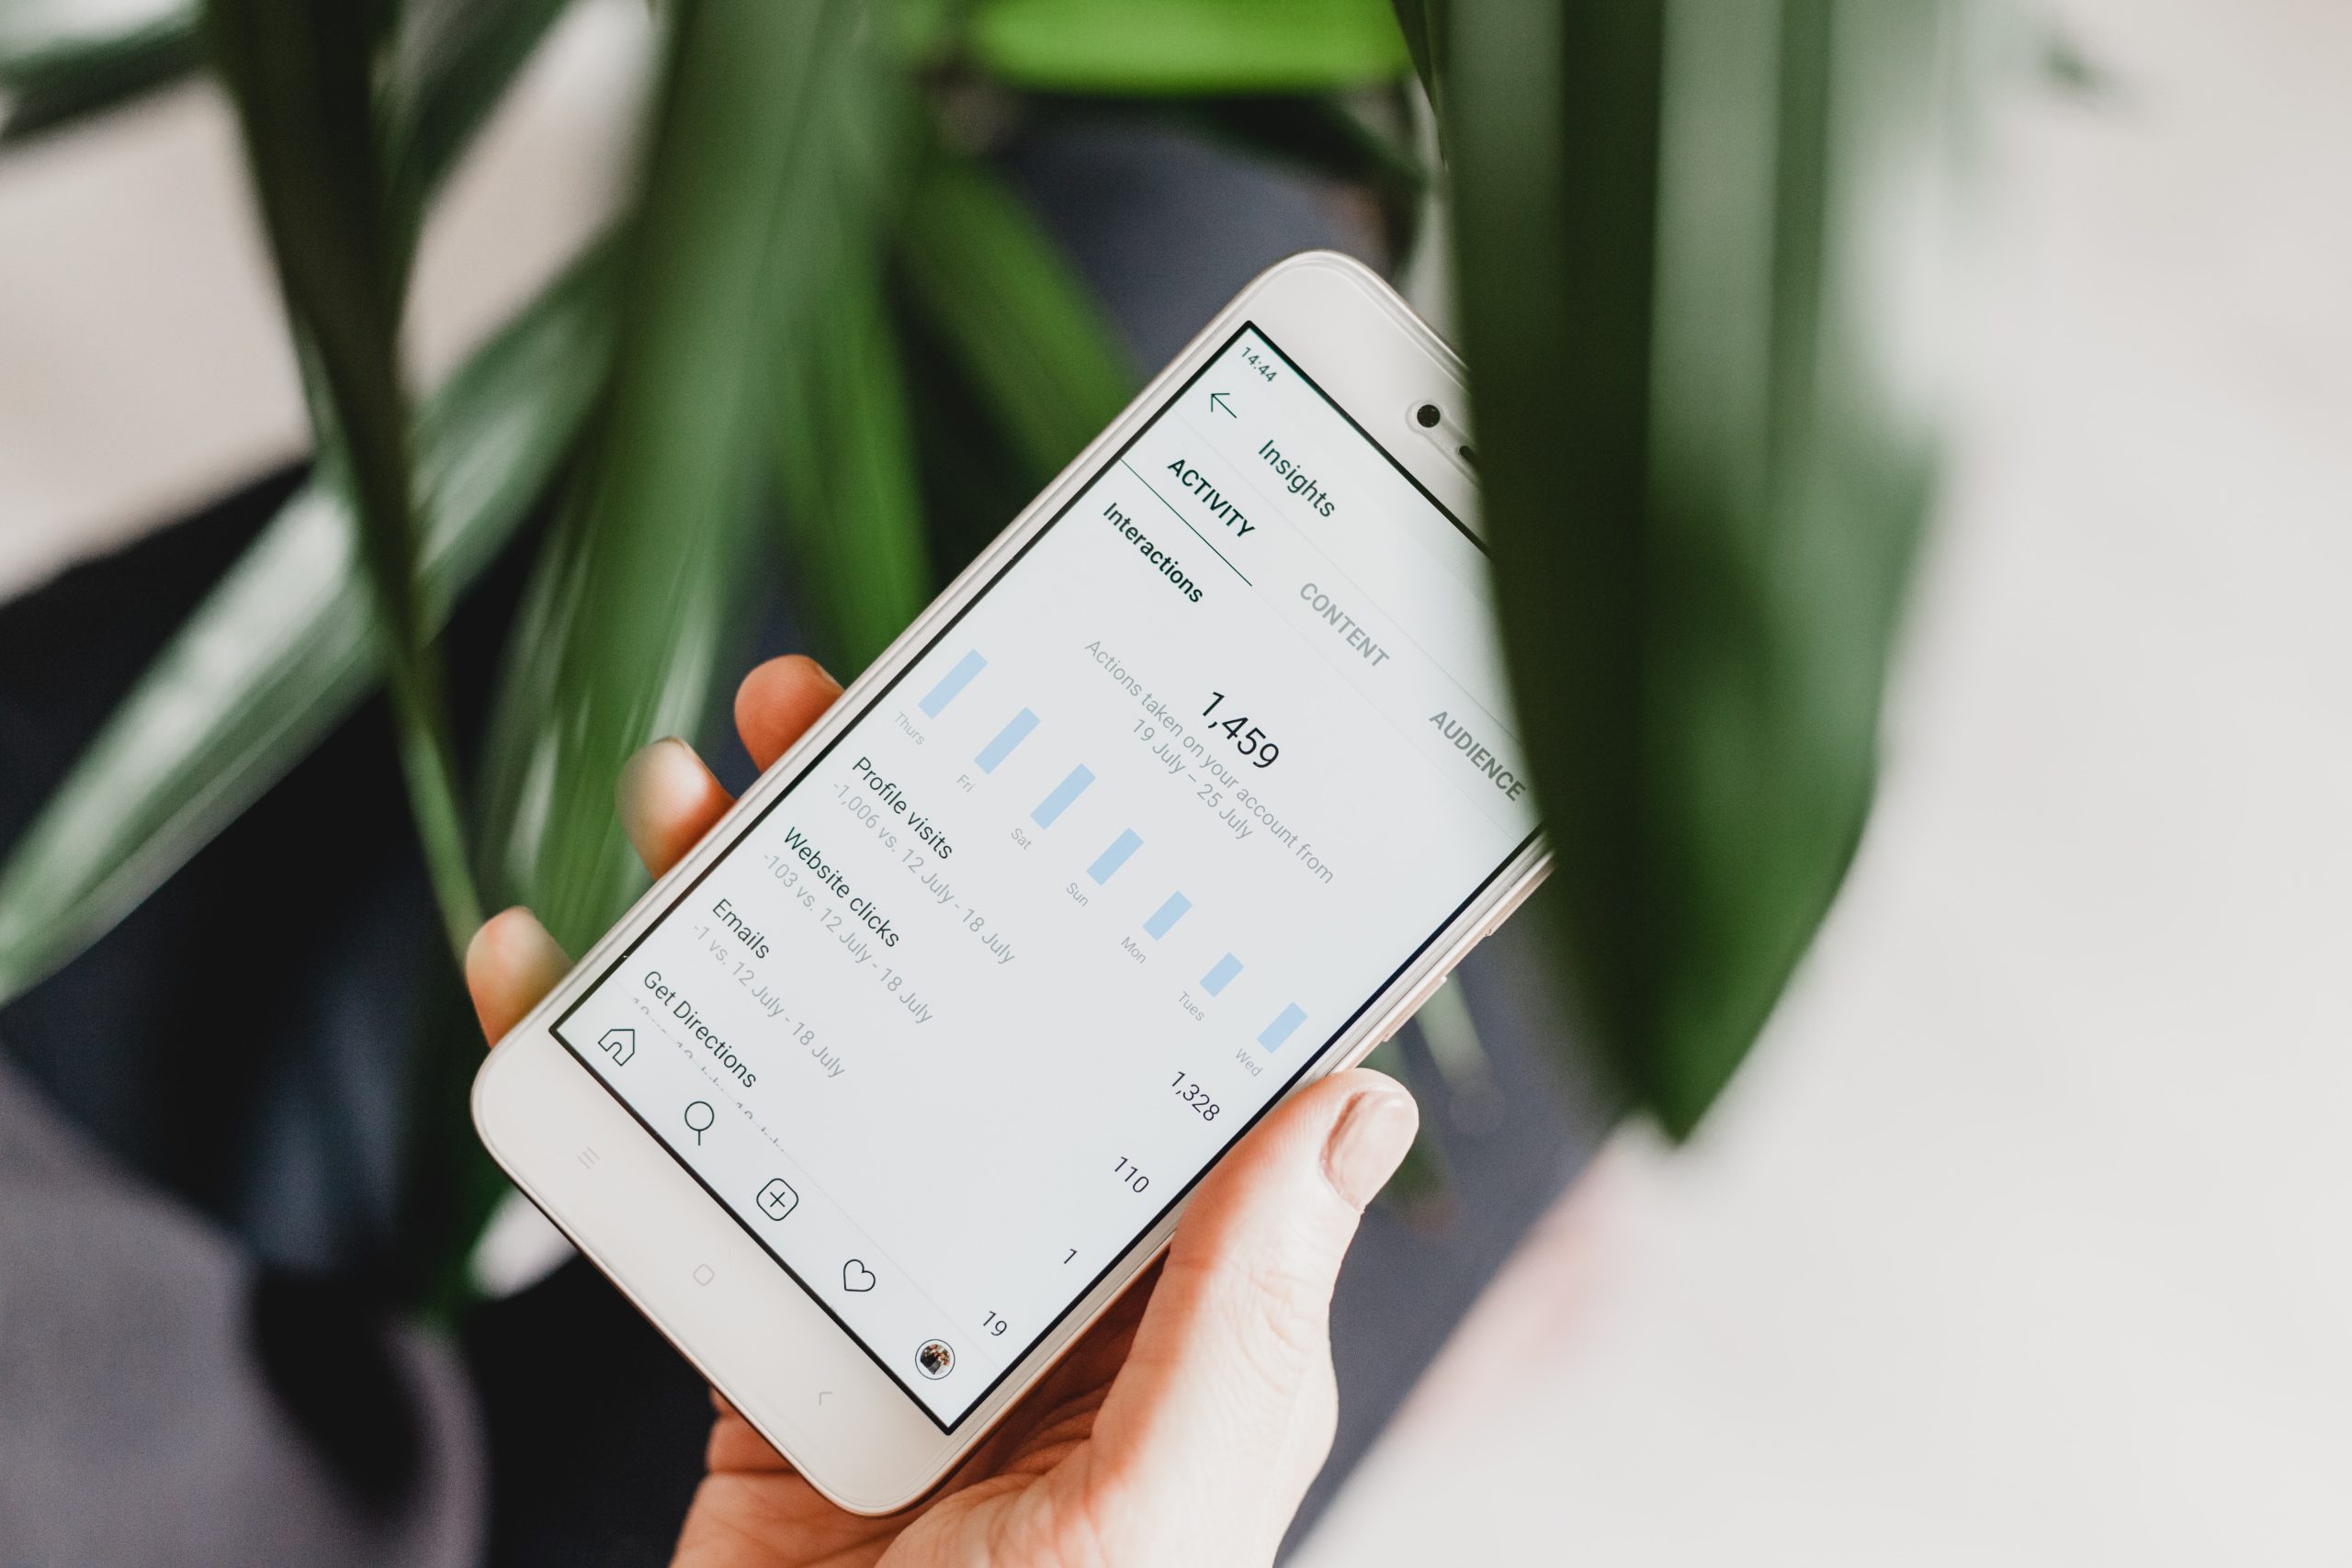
x=1229, y=1385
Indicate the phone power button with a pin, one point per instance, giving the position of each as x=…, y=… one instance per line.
x=1407, y=1009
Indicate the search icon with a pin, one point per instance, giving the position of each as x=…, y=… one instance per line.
x=699, y=1116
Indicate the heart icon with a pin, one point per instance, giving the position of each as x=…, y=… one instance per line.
x=856, y=1276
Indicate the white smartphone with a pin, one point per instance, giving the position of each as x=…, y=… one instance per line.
x=1186, y=793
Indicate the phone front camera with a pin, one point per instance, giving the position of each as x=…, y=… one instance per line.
x=1427, y=415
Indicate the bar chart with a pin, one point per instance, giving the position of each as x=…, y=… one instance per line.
x=1166, y=916
x=1107, y=864
x=1115, y=855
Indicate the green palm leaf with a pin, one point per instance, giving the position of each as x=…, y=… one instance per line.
x=626, y=625
x=1706, y=467
x=1024, y=330
x=302, y=74
x=846, y=466
x=281, y=651
x=61, y=59
x=845, y=461
x=1187, y=46
x=451, y=63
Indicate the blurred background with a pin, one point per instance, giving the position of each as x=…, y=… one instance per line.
x=2020, y=1232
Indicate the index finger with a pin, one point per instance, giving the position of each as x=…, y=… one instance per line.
x=777, y=702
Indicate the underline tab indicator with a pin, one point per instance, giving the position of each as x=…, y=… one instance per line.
x=951, y=684
x=1012, y=735
x=1286, y=1024
x=1167, y=916
x=1069, y=789
x=1107, y=863
x=1221, y=976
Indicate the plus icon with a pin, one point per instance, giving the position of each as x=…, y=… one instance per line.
x=778, y=1199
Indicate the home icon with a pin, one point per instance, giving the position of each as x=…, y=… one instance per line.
x=621, y=1042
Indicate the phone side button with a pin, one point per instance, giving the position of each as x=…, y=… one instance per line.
x=1421, y=992
x=1405, y=1012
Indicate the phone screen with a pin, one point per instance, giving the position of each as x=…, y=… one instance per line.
x=1009, y=964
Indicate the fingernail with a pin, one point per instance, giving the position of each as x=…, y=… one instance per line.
x=1369, y=1143
x=630, y=787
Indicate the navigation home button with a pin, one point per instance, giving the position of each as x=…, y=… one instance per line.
x=778, y=1199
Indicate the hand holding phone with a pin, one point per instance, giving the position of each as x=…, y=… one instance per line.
x=1186, y=1423
x=1181, y=798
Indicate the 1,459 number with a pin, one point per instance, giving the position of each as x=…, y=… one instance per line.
x=1248, y=738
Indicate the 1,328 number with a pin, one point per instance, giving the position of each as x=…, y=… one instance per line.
x=1190, y=1092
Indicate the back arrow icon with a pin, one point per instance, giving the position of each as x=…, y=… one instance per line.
x=1217, y=400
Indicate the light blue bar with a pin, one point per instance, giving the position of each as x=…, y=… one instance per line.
x=1111, y=858
x=955, y=680
x=1286, y=1023
x=1218, y=978
x=1069, y=789
x=1012, y=735
x=1169, y=913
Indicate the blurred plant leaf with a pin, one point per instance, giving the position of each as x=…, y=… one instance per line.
x=61, y=59
x=451, y=63
x=302, y=74
x=1424, y=26
x=1330, y=134
x=281, y=651
x=1706, y=463
x=847, y=471
x=847, y=466
x=998, y=296
x=845, y=454
x=627, y=619
x=1335, y=136
x=1187, y=46
x=972, y=479
x=922, y=32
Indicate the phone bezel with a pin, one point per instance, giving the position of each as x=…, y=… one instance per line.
x=636, y=1213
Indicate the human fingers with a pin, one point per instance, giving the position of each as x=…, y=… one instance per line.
x=668, y=800
x=1228, y=1392
x=1059, y=1412
x=777, y=702
x=752, y=1510
x=510, y=964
